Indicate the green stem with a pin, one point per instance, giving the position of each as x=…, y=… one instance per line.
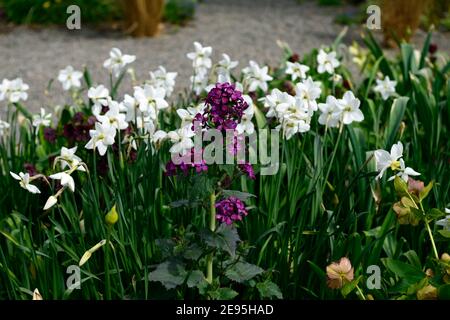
x=107, y=276
x=212, y=227
x=332, y=157
x=432, y=239
x=361, y=293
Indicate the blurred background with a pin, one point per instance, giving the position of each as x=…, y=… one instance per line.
x=35, y=42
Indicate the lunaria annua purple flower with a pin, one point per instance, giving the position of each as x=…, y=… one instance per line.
x=247, y=169
x=226, y=106
x=173, y=169
x=229, y=210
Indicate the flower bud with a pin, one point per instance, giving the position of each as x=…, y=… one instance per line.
x=427, y=293
x=112, y=216
x=51, y=201
x=445, y=257
x=37, y=295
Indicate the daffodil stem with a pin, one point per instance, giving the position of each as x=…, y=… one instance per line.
x=332, y=157
x=431, y=239
x=212, y=227
x=360, y=293
x=107, y=275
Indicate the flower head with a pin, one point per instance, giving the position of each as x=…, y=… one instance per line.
x=327, y=62
x=385, y=160
x=113, y=116
x=163, y=79
x=65, y=179
x=25, y=180
x=329, y=115
x=117, y=61
x=4, y=126
x=385, y=87
x=296, y=70
x=99, y=96
x=69, y=159
x=42, y=119
x=224, y=68
x=230, y=209
x=309, y=91
x=13, y=90
x=200, y=57
x=256, y=77
x=70, y=78
x=150, y=100
x=339, y=273
x=101, y=137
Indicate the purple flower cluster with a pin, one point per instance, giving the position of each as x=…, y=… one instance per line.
x=230, y=209
x=247, y=169
x=78, y=128
x=226, y=106
x=173, y=169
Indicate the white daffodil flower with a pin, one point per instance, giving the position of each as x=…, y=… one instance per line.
x=69, y=159
x=296, y=70
x=348, y=109
x=24, y=179
x=150, y=100
x=200, y=57
x=182, y=140
x=385, y=87
x=445, y=222
x=327, y=62
x=129, y=106
x=256, y=77
x=99, y=96
x=42, y=119
x=272, y=100
x=4, y=126
x=113, y=116
x=162, y=79
x=117, y=61
x=199, y=82
x=66, y=180
x=404, y=172
x=70, y=78
x=101, y=137
x=292, y=125
x=385, y=160
x=246, y=125
x=328, y=110
x=224, y=68
x=13, y=90
x=309, y=91
x=187, y=115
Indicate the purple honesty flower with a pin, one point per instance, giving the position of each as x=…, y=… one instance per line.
x=229, y=210
x=172, y=168
x=30, y=169
x=77, y=129
x=247, y=169
x=50, y=134
x=226, y=106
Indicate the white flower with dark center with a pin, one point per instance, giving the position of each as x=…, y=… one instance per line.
x=13, y=90
x=256, y=77
x=327, y=62
x=150, y=100
x=348, y=109
x=162, y=79
x=42, y=119
x=70, y=78
x=385, y=87
x=117, y=61
x=101, y=137
x=309, y=91
x=25, y=180
x=296, y=70
x=99, y=96
x=113, y=116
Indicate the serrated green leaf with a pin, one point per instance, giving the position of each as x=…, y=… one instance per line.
x=170, y=273
x=243, y=271
x=195, y=279
x=225, y=238
x=268, y=289
x=223, y=294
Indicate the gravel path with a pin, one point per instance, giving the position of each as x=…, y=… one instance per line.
x=239, y=28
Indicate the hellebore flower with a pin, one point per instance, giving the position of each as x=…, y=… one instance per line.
x=339, y=273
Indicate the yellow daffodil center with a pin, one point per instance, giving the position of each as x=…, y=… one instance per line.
x=395, y=165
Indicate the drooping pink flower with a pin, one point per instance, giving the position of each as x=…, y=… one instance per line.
x=339, y=273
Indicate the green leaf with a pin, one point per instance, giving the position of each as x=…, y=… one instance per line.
x=434, y=214
x=195, y=279
x=238, y=194
x=170, y=273
x=444, y=233
x=227, y=168
x=424, y=193
x=268, y=289
x=349, y=287
x=400, y=186
x=243, y=271
x=395, y=118
x=223, y=294
x=404, y=270
x=444, y=292
x=225, y=238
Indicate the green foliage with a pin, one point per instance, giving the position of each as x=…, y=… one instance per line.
x=179, y=11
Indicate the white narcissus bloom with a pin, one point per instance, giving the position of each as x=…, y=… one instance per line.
x=51, y=201
x=296, y=70
x=199, y=82
x=385, y=87
x=200, y=57
x=66, y=180
x=146, y=124
x=348, y=109
x=292, y=125
x=188, y=115
x=445, y=222
x=13, y=90
x=272, y=100
x=113, y=116
x=224, y=67
x=4, y=126
x=309, y=91
x=150, y=100
x=328, y=114
x=256, y=77
x=162, y=79
x=404, y=172
x=327, y=62
x=101, y=137
x=99, y=96
x=24, y=179
x=69, y=159
x=385, y=160
x=246, y=125
x=42, y=119
x=181, y=139
x=117, y=61
x=70, y=78
x=129, y=105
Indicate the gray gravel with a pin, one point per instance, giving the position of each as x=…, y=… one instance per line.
x=240, y=28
